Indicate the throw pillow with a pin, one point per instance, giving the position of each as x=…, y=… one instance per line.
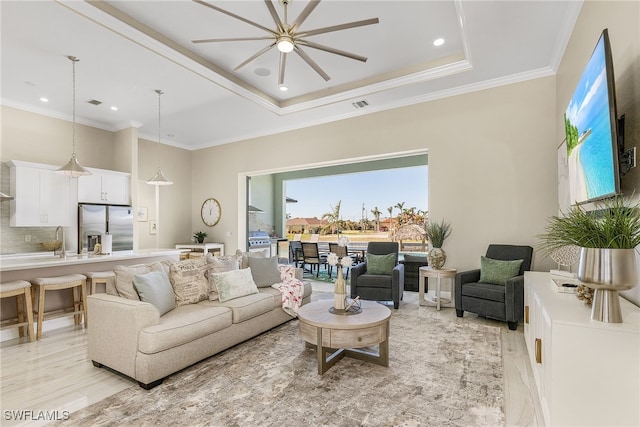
x=246, y=255
x=220, y=264
x=496, y=271
x=381, y=264
x=265, y=271
x=124, y=279
x=234, y=284
x=156, y=289
x=189, y=282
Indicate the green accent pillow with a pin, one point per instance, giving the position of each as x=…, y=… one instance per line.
x=496, y=271
x=381, y=264
x=156, y=289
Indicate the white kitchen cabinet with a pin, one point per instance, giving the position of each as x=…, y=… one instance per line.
x=587, y=372
x=41, y=196
x=104, y=187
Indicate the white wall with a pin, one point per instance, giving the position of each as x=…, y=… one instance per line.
x=622, y=19
x=491, y=163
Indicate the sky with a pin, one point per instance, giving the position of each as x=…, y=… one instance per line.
x=383, y=189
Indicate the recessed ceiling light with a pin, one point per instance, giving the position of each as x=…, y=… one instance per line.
x=114, y=108
x=262, y=72
x=438, y=42
x=284, y=88
x=43, y=99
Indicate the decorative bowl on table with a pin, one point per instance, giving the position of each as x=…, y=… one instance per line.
x=51, y=245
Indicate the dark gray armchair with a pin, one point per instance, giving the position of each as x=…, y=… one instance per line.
x=501, y=302
x=379, y=287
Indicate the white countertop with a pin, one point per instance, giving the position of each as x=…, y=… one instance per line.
x=47, y=259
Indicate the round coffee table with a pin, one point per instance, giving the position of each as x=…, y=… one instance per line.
x=336, y=336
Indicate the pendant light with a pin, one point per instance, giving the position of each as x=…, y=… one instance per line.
x=73, y=168
x=159, y=178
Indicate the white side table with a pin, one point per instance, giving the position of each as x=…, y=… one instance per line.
x=447, y=273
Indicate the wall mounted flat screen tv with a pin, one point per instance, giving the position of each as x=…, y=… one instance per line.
x=591, y=130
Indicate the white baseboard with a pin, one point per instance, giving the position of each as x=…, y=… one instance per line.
x=48, y=325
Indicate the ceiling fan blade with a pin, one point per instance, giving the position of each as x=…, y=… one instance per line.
x=338, y=27
x=311, y=63
x=233, y=39
x=274, y=14
x=233, y=15
x=332, y=50
x=304, y=14
x=254, y=56
x=283, y=61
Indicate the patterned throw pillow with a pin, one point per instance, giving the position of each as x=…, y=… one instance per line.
x=189, y=282
x=496, y=271
x=234, y=284
x=220, y=264
x=381, y=264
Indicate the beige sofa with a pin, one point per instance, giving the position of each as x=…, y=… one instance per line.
x=131, y=337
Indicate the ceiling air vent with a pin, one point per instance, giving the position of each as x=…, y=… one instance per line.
x=95, y=102
x=359, y=104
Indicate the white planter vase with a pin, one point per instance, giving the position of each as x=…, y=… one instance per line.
x=607, y=271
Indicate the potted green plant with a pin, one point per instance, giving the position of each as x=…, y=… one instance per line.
x=437, y=232
x=199, y=236
x=607, y=238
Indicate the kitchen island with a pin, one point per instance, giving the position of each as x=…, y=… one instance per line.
x=29, y=266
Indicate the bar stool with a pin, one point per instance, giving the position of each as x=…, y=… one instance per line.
x=77, y=282
x=98, y=277
x=20, y=289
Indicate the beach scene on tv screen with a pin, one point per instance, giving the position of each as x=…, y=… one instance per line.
x=588, y=132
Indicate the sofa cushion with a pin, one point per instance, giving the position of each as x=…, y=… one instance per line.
x=220, y=264
x=381, y=264
x=277, y=295
x=234, y=284
x=247, y=307
x=155, y=288
x=484, y=291
x=264, y=271
x=189, y=282
x=181, y=325
x=497, y=271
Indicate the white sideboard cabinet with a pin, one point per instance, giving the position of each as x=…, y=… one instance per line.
x=41, y=196
x=104, y=186
x=587, y=372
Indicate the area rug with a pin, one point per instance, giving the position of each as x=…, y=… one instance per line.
x=440, y=373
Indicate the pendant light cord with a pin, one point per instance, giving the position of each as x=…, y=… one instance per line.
x=159, y=92
x=73, y=110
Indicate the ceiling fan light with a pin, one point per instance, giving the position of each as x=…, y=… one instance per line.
x=283, y=88
x=438, y=42
x=285, y=44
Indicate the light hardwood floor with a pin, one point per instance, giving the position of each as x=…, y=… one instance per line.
x=53, y=375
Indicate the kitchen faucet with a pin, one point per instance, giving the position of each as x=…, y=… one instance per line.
x=63, y=251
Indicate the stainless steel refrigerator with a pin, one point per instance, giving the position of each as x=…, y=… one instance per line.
x=95, y=220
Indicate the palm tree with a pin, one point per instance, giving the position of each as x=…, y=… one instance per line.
x=376, y=215
x=333, y=217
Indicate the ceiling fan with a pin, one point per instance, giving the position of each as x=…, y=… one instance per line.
x=288, y=37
